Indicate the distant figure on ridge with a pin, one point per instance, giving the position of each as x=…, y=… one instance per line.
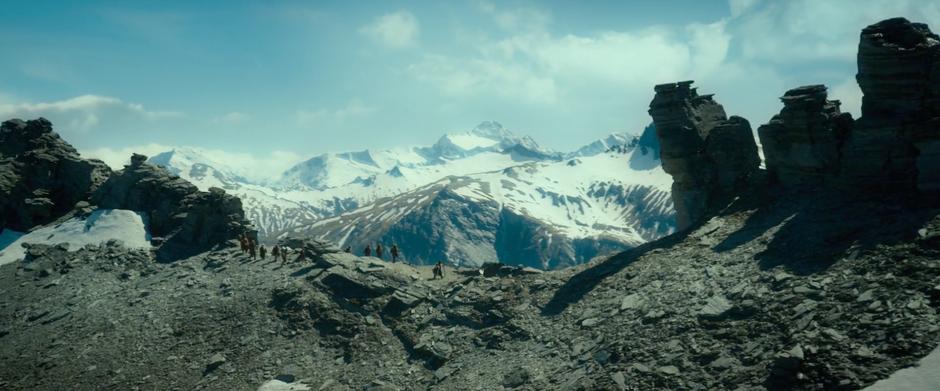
x=378, y=251
x=438, y=270
x=263, y=252
x=394, y=252
x=348, y=249
x=368, y=251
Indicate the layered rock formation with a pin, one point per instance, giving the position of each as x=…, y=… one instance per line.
x=188, y=220
x=802, y=144
x=41, y=176
x=707, y=153
x=896, y=143
x=894, y=146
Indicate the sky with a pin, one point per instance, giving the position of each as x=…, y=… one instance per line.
x=274, y=82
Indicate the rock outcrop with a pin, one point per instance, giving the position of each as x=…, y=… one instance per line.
x=707, y=153
x=189, y=221
x=42, y=177
x=802, y=144
x=896, y=143
x=894, y=146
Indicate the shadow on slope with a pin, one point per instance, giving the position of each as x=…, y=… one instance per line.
x=807, y=233
x=585, y=281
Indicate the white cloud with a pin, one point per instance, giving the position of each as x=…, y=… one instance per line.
x=517, y=19
x=353, y=109
x=252, y=166
x=234, y=117
x=801, y=31
x=540, y=69
x=738, y=7
x=395, y=30
x=116, y=158
x=84, y=112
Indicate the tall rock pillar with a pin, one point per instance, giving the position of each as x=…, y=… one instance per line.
x=707, y=154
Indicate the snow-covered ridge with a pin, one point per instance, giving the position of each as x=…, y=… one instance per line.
x=335, y=183
x=594, y=198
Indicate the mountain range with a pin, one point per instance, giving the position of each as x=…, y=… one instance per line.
x=462, y=199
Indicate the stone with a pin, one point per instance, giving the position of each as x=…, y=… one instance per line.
x=631, y=301
x=378, y=385
x=669, y=370
x=138, y=159
x=349, y=285
x=707, y=154
x=516, y=377
x=215, y=362
x=866, y=296
x=601, y=356
x=716, y=306
x=619, y=380
x=590, y=322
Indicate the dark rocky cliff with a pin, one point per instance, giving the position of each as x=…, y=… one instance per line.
x=41, y=176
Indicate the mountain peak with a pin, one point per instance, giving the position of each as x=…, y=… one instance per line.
x=492, y=130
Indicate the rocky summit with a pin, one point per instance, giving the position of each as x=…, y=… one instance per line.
x=41, y=175
x=820, y=272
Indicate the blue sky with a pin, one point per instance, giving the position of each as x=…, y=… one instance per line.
x=278, y=81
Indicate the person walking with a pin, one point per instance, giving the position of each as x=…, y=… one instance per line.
x=394, y=252
x=284, y=251
x=438, y=270
x=367, y=251
x=276, y=252
x=262, y=252
x=252, y=249
x=378, y=251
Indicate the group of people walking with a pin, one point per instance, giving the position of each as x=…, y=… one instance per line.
x=251, y=247
x=379, y=251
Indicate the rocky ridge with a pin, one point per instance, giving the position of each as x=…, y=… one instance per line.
x=45, y=179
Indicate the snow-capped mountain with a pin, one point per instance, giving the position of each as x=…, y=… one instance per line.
x=546, y=214
x=560, y=192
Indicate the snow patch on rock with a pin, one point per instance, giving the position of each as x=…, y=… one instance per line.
x=98, y=227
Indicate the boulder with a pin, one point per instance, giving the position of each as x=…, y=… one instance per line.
x=707, y=154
